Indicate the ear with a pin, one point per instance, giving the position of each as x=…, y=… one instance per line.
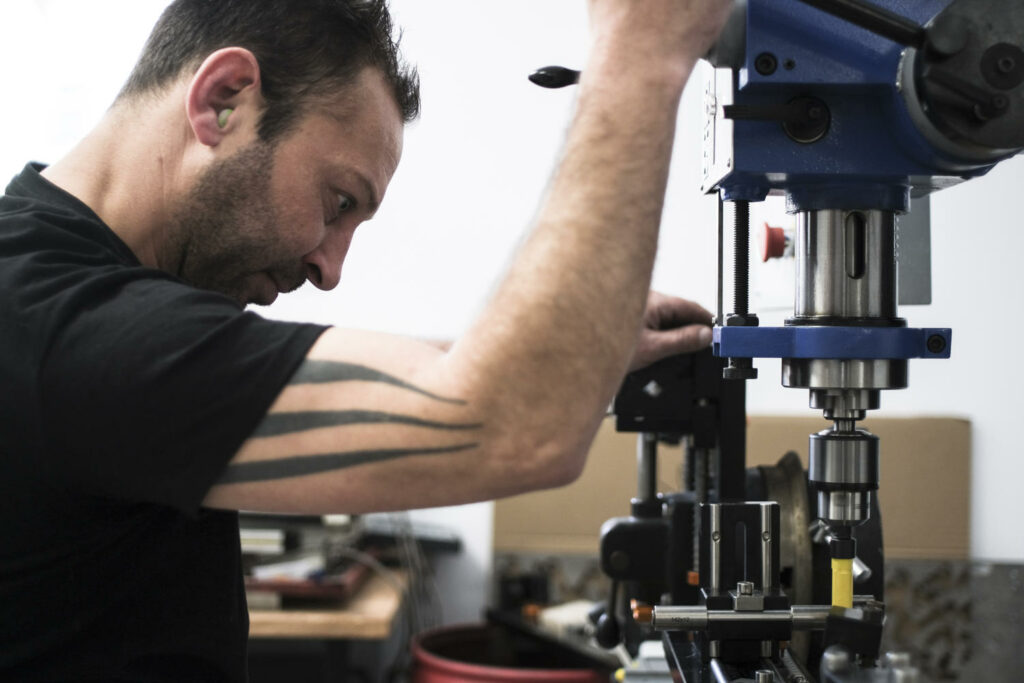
x=229, y=79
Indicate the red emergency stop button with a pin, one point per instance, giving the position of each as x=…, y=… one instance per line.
x=773, y=242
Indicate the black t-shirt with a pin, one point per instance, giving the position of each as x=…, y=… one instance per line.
x=123, y=394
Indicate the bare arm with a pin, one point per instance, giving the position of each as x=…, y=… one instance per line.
x=374, y=422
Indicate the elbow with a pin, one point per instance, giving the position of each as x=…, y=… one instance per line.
x=567, y=469
x=546, y=466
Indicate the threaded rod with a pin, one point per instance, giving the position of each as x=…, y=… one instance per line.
x=741, y=260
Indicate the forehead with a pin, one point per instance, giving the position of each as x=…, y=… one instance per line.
x=362, y=115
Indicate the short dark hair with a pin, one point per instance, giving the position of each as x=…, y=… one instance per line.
x=306, y=50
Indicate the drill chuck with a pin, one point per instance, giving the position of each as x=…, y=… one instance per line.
x=844, y=472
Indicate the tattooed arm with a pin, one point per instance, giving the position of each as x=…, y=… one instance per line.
x=374, y=422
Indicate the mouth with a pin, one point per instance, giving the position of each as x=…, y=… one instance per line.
x=264, y=289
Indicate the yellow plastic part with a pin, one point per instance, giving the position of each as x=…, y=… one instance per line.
x=842, y=583
x=620, y=675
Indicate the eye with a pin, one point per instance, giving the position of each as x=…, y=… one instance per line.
x=345, y=203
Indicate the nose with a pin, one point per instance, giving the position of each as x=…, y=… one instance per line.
x=323, y=264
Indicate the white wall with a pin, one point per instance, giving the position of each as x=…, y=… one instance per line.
x=473, y=169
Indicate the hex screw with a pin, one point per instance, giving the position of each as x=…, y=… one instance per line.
x=936, y=343
x=766, y=63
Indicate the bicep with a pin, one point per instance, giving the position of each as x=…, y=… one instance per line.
x=368, y=422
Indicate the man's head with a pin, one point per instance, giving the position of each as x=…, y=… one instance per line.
x=293, y=113
x=305, y=49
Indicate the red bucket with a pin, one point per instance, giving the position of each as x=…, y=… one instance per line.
x=488, y=653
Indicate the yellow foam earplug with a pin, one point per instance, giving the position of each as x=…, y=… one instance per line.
x=222, y=117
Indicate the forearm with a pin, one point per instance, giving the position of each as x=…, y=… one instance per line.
x=558, y=335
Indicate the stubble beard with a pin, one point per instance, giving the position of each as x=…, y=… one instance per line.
x=229, y=230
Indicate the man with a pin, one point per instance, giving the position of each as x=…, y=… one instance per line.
x=143, y=406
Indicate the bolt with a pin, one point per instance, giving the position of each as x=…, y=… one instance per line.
x=652, y=389
x=936, y=343
x=716, y=537
x=745, y=587
x=766, y=536
x=1006, y=64
x=766, y=64
x=789, y=64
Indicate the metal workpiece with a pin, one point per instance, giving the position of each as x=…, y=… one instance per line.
x=699, y=618
x=846, y=267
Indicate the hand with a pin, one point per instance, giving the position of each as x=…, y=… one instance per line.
x=671, y=326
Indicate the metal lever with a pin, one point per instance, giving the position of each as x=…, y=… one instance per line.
x=879, y=21
x=804, y=119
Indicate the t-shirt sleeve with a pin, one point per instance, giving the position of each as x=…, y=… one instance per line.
x=147, y=395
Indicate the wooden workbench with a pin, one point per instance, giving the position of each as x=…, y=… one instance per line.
x=369, y=615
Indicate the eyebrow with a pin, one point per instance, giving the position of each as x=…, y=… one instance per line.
x=374, y=201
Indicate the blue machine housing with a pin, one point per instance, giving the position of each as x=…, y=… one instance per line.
x=871, y=157
x=872, y=154
x=806, y=341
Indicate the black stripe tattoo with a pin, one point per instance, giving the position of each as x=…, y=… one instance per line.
x=276, y=424
x=286, y=468
x=322, y=371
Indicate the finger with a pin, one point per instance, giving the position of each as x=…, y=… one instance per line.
x=686, y=339
x=655, y=345
x=672, y=311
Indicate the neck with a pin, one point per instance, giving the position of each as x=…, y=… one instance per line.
x=127, y=170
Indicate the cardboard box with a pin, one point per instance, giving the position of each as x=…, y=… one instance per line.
x=924, y=490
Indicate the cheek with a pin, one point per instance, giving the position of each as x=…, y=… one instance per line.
x=299, y=227
x=298, y=211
